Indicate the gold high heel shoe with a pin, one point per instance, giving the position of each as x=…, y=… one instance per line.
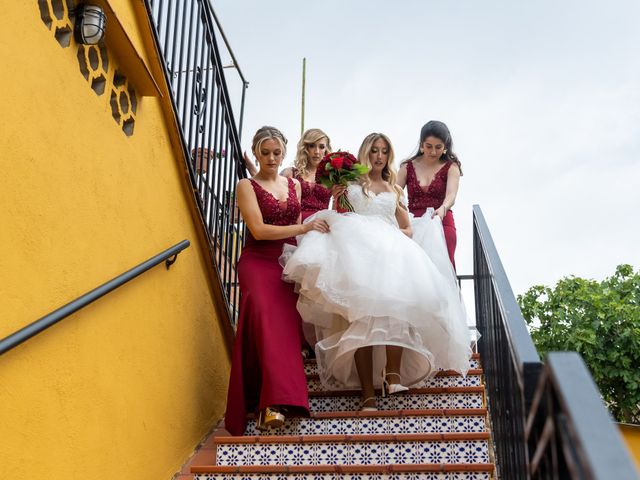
x=391, y=388
x=269, y=418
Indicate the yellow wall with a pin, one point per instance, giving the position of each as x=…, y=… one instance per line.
x=126, y=387
x=631, y=435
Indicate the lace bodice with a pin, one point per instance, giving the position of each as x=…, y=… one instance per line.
x=382, y=205
x=314, y=196
x=432, y=195
x=275, y=212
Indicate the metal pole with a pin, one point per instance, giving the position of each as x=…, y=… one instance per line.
x=304, y=76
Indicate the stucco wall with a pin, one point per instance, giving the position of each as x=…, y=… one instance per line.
x=126, y=387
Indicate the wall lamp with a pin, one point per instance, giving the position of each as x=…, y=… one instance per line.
x=89, y=24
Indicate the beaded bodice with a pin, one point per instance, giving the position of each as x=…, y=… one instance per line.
x=432, y=195
x=274, y=211
x=315, y=197
x=381, y=205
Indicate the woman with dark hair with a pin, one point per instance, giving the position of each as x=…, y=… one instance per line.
x=267, y=371
x=432, y=177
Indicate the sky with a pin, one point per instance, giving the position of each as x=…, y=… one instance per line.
x=542, y=100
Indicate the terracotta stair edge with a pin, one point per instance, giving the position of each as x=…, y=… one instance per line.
x=433, y=412
x=351, y=438
x=433, y=390
x=443, y=373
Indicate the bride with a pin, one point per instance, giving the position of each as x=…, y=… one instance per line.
x=374, y=299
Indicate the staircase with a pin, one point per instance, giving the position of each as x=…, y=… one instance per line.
x=438, y=430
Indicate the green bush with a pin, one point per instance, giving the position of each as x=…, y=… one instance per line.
x=599, y=320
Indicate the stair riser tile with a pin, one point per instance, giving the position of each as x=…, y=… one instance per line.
x=375, y=425
x=419, y=401
x=312, y=368
x=353, y=453
x=314, y=384
x=341, y=476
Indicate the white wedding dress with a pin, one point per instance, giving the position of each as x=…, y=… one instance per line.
x=366, y=283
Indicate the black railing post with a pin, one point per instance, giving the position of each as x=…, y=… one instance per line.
x=208, y=130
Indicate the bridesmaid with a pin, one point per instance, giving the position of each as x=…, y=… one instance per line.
x=432, y=177
x=312, y=148
x=267, y=372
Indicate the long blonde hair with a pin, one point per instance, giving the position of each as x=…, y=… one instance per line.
x=313, y=135
x=389, y=173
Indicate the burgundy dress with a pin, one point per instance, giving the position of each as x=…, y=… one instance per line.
x=421, y=198
x=315, y=197
x=267, y=367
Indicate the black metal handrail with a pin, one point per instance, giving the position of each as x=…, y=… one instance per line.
x=185, y=34
x=168, y=256
x=569, y=431
x=510, y=360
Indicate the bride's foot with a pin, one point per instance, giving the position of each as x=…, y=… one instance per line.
x=369, y=405
x=389, y=388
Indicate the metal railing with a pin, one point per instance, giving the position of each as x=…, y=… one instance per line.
x=168, y=256
x=569, y=431
x=547, y=422
x=186, y=36
x=510, y=360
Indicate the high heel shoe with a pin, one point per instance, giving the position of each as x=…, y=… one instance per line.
x=391, y=388
x=368, y=409
x=269, y=418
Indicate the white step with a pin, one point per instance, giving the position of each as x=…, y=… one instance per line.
x=415, y=399
x=354, y=450
x=423, y=421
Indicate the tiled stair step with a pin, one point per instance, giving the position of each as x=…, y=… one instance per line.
x=414, y=399
x=474, y=471
x=445, y=378
x=381, y=422
x=311, y=368
x=354, y=449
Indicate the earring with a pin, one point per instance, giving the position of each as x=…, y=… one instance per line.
x=445, y=151
x=421, y=152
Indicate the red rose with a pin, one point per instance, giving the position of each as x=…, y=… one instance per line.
x=336, y=162
x=348, y=163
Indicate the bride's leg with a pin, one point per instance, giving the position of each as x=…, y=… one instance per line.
x=394, y=359
x=392, y=380
x=364, y=359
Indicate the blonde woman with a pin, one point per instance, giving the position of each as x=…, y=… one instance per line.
x=381, y=314
x=312, y=148
x=267, y=373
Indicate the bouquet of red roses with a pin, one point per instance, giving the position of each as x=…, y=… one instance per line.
x=340, y=168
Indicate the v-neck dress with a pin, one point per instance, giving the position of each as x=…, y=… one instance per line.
x=267, y=367
x=432, y=196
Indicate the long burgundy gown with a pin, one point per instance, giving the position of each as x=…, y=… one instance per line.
x=315, y=197
x=421, y=198
x=267, y=367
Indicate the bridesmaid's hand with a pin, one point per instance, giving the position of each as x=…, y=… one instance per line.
x=318, y=225
x=251, y=167
x=441, y=212
x=337, y=190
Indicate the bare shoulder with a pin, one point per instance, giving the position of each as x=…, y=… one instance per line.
x=244, y=184
x=287, y=172
x=454, y=170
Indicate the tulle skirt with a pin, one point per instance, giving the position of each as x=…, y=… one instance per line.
x=367, y=284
